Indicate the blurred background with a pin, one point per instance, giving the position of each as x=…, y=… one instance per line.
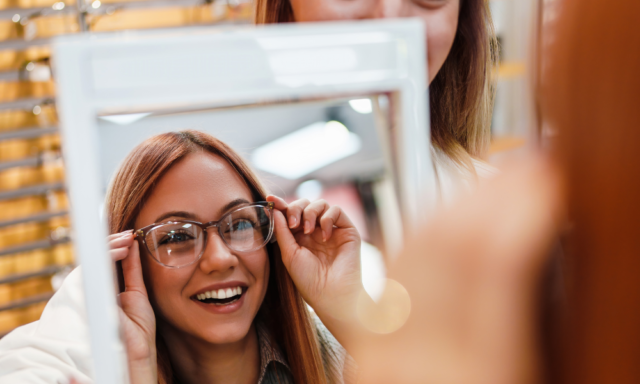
x=35, y=243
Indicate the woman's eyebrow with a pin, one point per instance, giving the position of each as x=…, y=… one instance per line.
x=182, y=214
x=232, y=204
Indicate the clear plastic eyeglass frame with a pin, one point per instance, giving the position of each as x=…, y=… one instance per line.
x=142, y=232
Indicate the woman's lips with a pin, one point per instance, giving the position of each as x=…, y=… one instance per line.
x=221, y=306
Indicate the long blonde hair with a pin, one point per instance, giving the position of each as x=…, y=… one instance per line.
x=283, y=310
x=461, y=95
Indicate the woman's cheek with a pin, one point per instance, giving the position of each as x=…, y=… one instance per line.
x=163, y=287
x=259, y=268
x=441, y=32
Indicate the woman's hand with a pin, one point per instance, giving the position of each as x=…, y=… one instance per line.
x=321, y=250
x=473, y=277
x=137, y=319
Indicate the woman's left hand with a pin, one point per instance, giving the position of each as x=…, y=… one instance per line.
x=321, y=250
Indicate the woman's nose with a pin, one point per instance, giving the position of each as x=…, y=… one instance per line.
x=383, y=9
x=217, y=257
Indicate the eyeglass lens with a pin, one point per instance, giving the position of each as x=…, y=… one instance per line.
x=179, y=244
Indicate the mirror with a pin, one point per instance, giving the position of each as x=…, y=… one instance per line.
x=334, y=111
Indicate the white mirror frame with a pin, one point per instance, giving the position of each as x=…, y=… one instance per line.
x=179, y=69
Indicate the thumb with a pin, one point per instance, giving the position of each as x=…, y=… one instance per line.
x=286, y=241
x=132, y=270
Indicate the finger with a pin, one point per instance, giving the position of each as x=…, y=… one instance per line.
x=311, y=213
x=132, y=270
x=334, y=216
x=121, y=241
x=286, y=241
x=118, y=254
x=119, y=234
x=294, y=212
x=280, y=204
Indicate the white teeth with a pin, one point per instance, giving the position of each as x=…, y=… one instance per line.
x=220, y=293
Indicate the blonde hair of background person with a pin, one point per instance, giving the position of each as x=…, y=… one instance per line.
x=461, y=56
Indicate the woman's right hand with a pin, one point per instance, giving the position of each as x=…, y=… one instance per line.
x=137, y=319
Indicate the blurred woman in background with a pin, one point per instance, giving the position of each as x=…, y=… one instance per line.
x=461, y=55
x=475, y=276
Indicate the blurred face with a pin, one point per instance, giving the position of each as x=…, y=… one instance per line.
x=440, y=17
x=203, y=187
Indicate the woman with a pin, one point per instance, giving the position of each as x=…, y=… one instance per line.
x=461, y=54
x=201, y=339
x=220, y=302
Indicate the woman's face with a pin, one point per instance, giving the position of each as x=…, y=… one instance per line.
x=440, y=17
x=203, y=187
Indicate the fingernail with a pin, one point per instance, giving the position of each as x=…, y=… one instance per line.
x=324, y=236
x=292, y=221
x=307, y=227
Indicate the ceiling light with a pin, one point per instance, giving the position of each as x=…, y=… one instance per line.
x=124, y=119
x=306, y=150
x=59, y=6
x=361, y=105
x=96, y=4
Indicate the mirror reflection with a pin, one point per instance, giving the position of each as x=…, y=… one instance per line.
x=327, y=150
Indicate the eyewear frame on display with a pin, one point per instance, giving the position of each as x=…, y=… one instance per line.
x=143, y=232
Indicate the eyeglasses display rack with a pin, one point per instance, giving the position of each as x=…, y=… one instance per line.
x=35, y=230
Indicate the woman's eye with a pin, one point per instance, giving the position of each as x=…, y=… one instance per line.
x=242, y=225
x=176, y=237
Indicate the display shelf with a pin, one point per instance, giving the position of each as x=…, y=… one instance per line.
x=31, y=161
x=31, y=190
x=22, y=44
x=26, y=162
x=33, y=218
x=29, y=137
x=29, y=13
x=47, y=271
x=21, y=303
x=39, y=244
x=26, y=104
x=27, y=133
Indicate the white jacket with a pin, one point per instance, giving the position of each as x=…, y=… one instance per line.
x=54, y=348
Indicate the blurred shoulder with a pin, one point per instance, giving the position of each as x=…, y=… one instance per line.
x=484, y=170
x=339, y=366
x=454, y=179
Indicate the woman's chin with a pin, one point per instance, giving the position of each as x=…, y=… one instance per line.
x=224, y=333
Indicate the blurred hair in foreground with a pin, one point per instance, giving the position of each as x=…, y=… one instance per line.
x=591, y=96
x=475, y=275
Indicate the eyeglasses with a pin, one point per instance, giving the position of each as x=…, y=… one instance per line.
x=179, y=243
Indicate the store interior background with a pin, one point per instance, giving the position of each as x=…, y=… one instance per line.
x=36, y=250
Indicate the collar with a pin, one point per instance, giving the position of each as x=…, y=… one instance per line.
x=269, y=350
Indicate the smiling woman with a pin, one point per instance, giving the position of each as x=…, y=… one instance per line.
x=215, y=279
x=225, y=306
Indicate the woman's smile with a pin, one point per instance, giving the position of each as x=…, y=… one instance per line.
x=221, y=298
